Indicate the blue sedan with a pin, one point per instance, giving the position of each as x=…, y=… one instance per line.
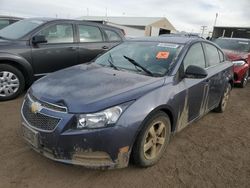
x=126, y=103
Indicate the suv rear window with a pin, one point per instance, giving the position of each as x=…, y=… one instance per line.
x=112, y=36
x=89, y=33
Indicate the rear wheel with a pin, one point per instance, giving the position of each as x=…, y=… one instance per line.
x=152, y=140
x=11, y=82
x=244, y=80
x=224, y=100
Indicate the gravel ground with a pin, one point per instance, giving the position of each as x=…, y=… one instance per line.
x=212, y=152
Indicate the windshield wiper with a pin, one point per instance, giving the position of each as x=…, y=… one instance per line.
x=111, y=62
x=138, y=65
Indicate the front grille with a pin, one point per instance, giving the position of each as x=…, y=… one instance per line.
x=48, y=105
x=38, y=120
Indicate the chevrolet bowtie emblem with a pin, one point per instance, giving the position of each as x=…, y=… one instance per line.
x=35, y=107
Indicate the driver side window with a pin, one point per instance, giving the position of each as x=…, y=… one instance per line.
x=195, y=56
x=58, y=33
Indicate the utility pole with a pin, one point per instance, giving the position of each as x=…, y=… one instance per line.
x=215, y=21
x=203, y=28
x=87, y=11
x=106, y=14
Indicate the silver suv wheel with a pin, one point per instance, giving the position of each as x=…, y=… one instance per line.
x=9, y=83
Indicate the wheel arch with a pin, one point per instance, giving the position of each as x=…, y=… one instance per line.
x=165, y=109
x=21, y=64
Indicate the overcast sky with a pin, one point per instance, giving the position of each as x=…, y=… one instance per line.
x=187, y=15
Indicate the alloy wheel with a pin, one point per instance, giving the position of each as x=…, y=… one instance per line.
x=9, y=83
x=155, y=140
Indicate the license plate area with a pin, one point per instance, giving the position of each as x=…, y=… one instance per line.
x=31, y=136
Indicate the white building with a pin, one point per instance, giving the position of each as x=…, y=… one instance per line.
x=136, y=26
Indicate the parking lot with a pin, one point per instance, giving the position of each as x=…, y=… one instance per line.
x=212, y=152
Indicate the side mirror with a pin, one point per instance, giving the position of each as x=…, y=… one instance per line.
x=193, y=71
x=39, y=39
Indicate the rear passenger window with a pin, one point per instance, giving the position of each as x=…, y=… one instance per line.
x=195, y=56
x=112, y=36
x=212, y=55
x=89, y=33
x=221, y=56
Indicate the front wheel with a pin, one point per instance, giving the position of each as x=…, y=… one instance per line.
x=11, y=82
x=152, y=140
x=224, y=99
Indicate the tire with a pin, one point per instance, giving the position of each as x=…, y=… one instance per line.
x=142, y=154
x=12, y=82
x=224, y=99
x=244, y=80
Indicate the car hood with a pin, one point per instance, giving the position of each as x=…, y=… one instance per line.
x=91, y=88
x=6, y=44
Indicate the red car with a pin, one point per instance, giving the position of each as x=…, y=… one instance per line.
x=238, y=51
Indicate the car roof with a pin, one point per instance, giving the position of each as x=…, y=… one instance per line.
x=171, y=39
x=10, y=17
x=47, y=19
x=227, y=38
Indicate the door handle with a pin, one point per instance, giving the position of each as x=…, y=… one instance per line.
x=72, y=48
x=105, y=47
x=207, y=81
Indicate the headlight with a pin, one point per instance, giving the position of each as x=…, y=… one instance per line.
x=239, y=63
x=101, y=119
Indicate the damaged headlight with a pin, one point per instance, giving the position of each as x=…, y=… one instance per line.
x=239, y=63
x=101, y=119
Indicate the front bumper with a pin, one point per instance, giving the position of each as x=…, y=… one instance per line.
x=97, y=148
x=240, y=72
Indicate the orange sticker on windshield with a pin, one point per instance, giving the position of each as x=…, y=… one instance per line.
x=162, y=55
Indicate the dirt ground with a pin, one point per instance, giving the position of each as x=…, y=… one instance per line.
x=212, y=152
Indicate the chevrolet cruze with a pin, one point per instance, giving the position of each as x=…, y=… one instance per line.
x=127, y=103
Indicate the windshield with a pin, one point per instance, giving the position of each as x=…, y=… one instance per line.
x=235, y=45
x=149, y=58
x=19, y=29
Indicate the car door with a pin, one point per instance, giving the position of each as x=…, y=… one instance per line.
x=91, y=42
x=112, y=37
x=60, y=50
x=194, y=91
x=215, y=73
